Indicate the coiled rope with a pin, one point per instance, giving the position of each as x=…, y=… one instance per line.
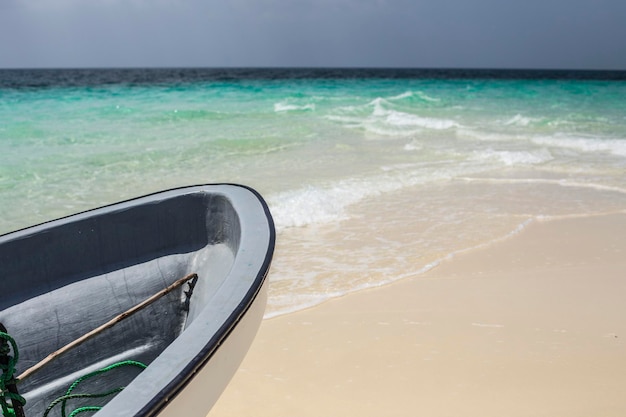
x=69, y=396
x=8, y=390
x=8, y=383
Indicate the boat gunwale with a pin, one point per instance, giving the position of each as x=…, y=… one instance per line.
x=34, y=228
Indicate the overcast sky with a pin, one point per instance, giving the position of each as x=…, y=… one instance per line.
x=569, y=34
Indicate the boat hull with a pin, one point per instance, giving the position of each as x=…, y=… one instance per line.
x=203, y=391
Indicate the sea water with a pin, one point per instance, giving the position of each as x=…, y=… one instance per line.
x=371, y=175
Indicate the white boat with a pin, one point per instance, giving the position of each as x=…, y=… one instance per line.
x=62, y=279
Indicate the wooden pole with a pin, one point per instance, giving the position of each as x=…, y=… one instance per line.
x=105, y=326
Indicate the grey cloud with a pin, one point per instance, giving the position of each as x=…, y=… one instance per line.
x=417, y=33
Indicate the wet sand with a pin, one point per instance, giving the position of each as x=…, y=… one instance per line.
x=531, y=326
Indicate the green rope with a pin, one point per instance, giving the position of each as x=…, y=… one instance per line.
x=83, y=409
x=69, y=396
x=7, y=343
x=63, y=399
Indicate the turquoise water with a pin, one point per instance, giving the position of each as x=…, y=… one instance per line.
x=371, y=176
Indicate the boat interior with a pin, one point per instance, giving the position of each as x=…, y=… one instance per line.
x=65, y=278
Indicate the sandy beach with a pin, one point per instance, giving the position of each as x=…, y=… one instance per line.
x=534, y=325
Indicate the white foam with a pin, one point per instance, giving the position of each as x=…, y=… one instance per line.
x=559, y=182
x=485, y=136
x=519, y=120
x=327, y=203
x=279, y=305
x=285, y=304
x=396, y=118
x=614, y=146
x=583, y=144
x=407, y=94
x=510, y=158
x=383, y=120
x=419, y=94
x=426, y=97
x=413, y=146
x=379, y=109
x=285, y=107
x=311, y=205
x=322, y=204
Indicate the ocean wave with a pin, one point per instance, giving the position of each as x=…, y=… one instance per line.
x=547, y=181
x=279, y=305
x=311, y=205
x=397, y=118
x=328, y=203
x=585, y=144
x=407, y=94
x=483, y=135
x=519, y=120
x=286, y=107
x=596, y=144
x=314, y=205
x=413, y=146
x=419, y=95
x=379, y=117
x=510, y=158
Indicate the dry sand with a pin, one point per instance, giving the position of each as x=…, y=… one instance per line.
x=531, y=326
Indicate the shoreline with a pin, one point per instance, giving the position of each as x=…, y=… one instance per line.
x=534, y=325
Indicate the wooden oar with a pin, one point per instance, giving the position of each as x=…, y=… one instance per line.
x=106, y=325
